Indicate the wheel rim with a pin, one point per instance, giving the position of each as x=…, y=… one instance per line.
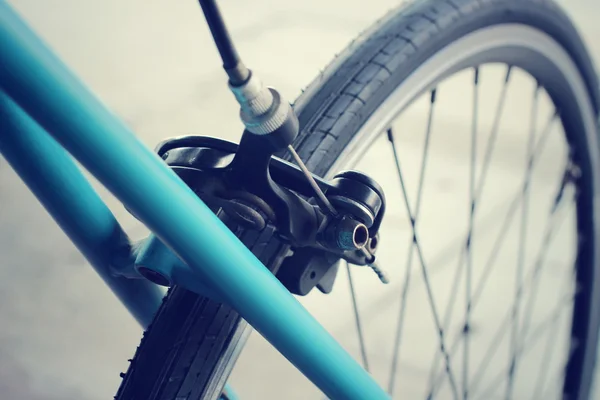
x=524, y=48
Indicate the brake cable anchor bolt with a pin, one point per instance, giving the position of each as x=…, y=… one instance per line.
x=346, y=234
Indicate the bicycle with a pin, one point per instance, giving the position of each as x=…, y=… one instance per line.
x=277, y=200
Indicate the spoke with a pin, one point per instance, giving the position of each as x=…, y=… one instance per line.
x=496, y=338
x=490, y=262
x=493, y=135
x=510, y=215
x=493, y=257
x=409, y=261
x=446, y=322
x=530, y=279
x=476, y=193
x=521, y=251
x=363, y=351
x=468, y=278
x=424, y=272
x=548, y=324
x=554, y=222
x=529, y=306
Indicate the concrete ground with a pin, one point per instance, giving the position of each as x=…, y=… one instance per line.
x=63, y=335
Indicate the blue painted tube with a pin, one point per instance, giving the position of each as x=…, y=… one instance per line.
x=154, y=255
x=56, y=181
x=40, y=83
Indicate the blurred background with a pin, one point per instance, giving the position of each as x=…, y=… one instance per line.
x=63, y=335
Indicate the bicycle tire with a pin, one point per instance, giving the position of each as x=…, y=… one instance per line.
x=173, y=361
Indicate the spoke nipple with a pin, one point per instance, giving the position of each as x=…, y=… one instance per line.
x=508, y=71
x=390, y=135
x=466, y=329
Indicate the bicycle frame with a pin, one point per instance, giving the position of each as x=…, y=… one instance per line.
x=45, y=112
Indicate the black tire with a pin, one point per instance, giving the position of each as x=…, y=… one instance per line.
x=190, y=347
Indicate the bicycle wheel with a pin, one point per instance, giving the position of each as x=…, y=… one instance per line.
x=407, y=61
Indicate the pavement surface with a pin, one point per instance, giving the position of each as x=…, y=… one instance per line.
x=64, y=336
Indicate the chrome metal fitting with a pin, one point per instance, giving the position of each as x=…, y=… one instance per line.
x=262, y=108
x=271, y=120
x=253, y=97
x=346, y=234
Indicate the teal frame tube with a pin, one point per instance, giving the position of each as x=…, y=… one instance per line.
x=36, y=80
x=61, y=188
